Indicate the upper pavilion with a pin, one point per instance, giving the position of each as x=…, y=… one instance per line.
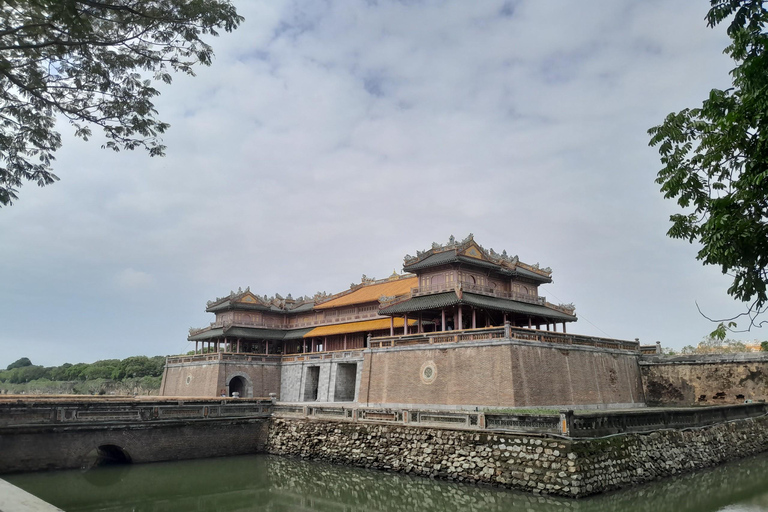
x=456, y=286
x=461, y=285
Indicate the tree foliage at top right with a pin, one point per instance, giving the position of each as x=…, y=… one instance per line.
x=715, y=161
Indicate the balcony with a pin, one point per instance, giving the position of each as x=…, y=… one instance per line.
x=481, y=290
x=492, y=334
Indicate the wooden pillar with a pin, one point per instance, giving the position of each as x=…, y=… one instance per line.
x=196, y=346
x=564, y=327
x=458, y=325
x=505, y=318
x=420, y=329
x=405, y=324
x=474, y=318
x=529, y=322
x=345, y=342
x=304, y=345
x=266, y=347
x=547, y=325
x=443, y=315
x=392, y=326
x=554, y=326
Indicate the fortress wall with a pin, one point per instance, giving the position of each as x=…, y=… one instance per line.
x=573, y=468
x=191, y=379
x=211, y=378
x=501, y=374
x=330, y=381
x=705, y=379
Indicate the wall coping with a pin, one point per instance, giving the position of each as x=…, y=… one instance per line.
x=501, y=342
x=739, y=357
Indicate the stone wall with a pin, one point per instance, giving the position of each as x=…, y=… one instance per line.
x=504, y=373
x=705, y=379
x=541, y=465
x=330, y=381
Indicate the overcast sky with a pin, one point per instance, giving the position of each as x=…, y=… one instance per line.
x=329, y=139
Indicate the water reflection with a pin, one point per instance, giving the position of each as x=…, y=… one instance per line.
x=278, y=484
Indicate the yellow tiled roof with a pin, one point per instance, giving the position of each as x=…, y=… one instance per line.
x=350, y=327
x=372, y=292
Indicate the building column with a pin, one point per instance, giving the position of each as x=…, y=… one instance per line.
x=563, y=326
x=345, y=342
x=405, y=324
x=392, y=326
x=529, y=322
x=196, y=346
x=554, y=326
x=474, y=318
x=460, y=324
x=547, y=325
x=420, y=329
x=238, y=346
x=443, y=315
x=266, y=346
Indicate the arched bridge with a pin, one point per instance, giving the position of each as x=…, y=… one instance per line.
x=77, y=432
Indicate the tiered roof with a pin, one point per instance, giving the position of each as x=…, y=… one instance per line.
x=470, y=252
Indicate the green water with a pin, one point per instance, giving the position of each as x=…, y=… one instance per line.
x=263, y=482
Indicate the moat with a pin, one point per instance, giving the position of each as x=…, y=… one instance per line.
x=262, y=482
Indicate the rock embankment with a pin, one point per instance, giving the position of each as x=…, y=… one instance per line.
x=535, y=464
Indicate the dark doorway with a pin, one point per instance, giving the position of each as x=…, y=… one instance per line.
x=346, y=380
x=311, y=383
x=237, y=385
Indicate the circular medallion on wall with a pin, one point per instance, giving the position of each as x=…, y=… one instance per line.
x=428, y=372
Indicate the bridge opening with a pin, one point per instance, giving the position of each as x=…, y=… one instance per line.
x=111, y=455
x=237, y=385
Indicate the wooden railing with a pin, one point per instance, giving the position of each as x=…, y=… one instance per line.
x=498, y=333
x=479, y=289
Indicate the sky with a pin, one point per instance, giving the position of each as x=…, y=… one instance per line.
x=329, y=139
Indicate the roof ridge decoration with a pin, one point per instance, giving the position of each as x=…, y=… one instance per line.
x=457, y=247
x=276, y=300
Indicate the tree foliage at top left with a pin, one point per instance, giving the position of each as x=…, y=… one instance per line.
x=94, y=63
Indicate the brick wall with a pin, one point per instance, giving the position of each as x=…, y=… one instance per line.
x=502, y=374
x=705, y=379
x=211, y=378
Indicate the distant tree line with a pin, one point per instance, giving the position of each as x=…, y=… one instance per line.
x=714, y=345
x=23, y=371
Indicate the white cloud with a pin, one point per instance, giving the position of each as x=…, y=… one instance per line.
x=329, y=139
x=132, y=279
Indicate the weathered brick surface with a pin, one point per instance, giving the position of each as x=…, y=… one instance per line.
x=210, y=379
x=705, y=379
x=541, y=465
x=34, y=449
x=504, y=375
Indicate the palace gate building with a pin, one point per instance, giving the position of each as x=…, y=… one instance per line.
x=463, y=327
